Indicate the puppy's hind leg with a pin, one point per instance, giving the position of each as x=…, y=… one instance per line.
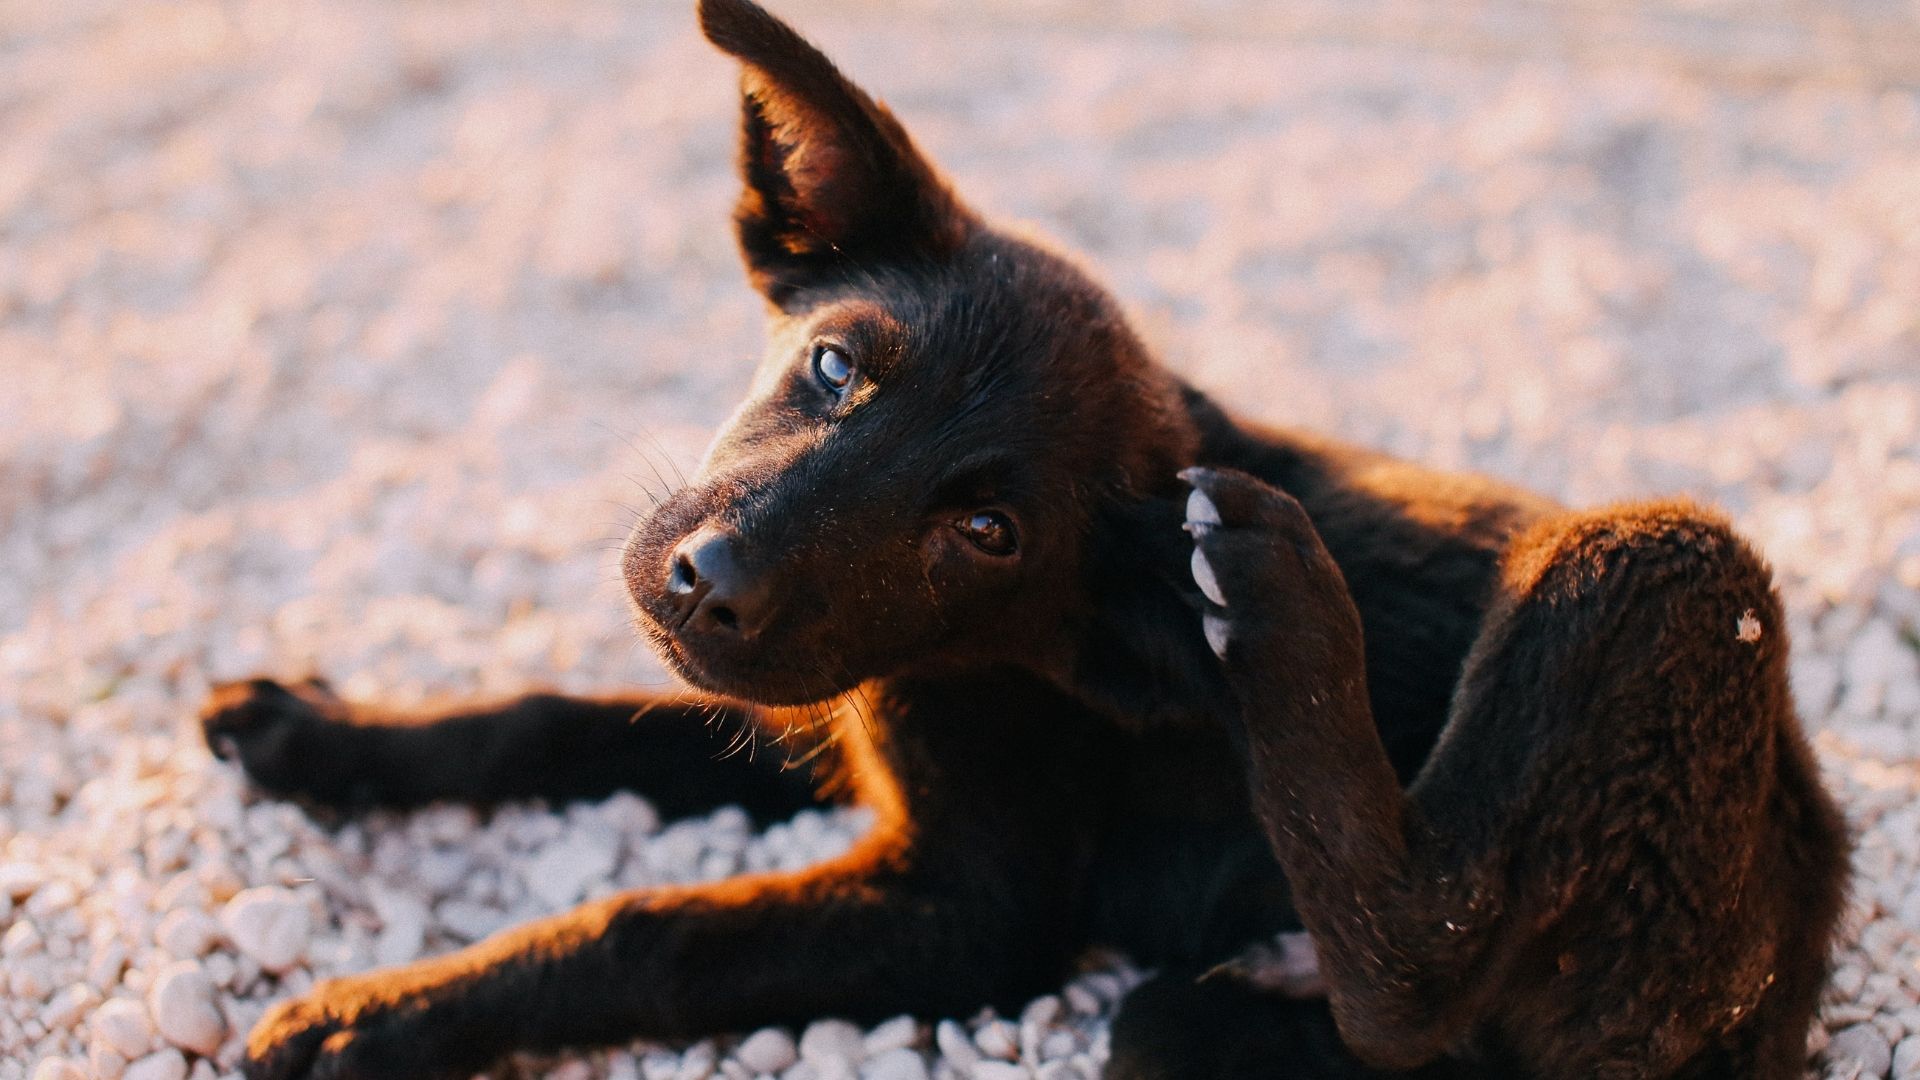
x=303, y=741
x=1618, y=861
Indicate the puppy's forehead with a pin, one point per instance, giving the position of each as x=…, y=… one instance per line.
x=959, y=326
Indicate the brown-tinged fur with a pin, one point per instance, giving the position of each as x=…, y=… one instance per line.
x=1524, y=774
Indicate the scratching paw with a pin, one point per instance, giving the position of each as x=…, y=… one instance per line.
x=1202, y=518
x=1257, y=560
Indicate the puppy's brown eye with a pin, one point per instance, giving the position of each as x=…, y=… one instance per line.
x=832, y=367
x=990, y=531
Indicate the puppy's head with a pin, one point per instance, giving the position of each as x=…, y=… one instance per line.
x=944, y=424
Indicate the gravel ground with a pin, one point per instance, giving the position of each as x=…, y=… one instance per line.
x=346, y=336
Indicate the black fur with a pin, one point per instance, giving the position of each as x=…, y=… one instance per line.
x=1526, y=776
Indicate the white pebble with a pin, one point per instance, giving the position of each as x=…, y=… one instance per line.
x=898, y=1032
x=269, y=925
x=1862, y=1043
x=403, y=930
x=768, y=1050
x=121, y=1025
x=18, y=880
x=183, y=1008
x=955, y=1045
x=21, y=939
x=187, y=933
x=1001, y=1070
x=104, y=1063
x=165, y=1065
x=1081, y=1000
x=1906, y=1058
x=67, y=1006
x=564, y=869
x=696, y=1063
x=832, y=1042
x=997, y=1039
x=58, y=1068
x=899, y=1063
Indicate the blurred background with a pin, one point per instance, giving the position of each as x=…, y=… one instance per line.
x=350, y=336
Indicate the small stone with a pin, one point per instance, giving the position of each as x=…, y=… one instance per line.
x=183, y=1008
x=58, y=1068
x=901, y=1031
x=68, y=1006
x=1081, y=1000
x=468, y=920
x=1906, y=1058
x=697, y=1062
x=1862, y=1043
x=121, y=1025
x=403, y=931
x=997, y=1039
x=565, y=868
x=21, y=939
x=899, y=1063
x=165, y=1065
x=187, y=933
x=1035, y=1019
x=1000, y=1070
x=659, y=1065
x=104, y=1063
x=832, y=1042
x=270, y=925
x=955, y=1045
x=768, y=1050
x=18, y=880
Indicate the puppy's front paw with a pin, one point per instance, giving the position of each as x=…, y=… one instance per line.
x=358, y=1028
x=1259, y=562
x=280, y=734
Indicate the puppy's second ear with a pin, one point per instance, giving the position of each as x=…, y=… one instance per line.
x=832, y=180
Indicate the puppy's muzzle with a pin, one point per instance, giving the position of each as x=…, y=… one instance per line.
x=712, y=592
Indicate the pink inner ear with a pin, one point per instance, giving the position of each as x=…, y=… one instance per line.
x=815, y=163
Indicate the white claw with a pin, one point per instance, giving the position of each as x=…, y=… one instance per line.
x=1289, y=965
x=1201, y=513
x=1203, y=577
x=1216, y=630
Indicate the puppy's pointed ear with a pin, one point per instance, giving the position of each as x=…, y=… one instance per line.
x=832, y=180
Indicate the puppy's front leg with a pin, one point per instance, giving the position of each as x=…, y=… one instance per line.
x=857, y=937
x=1401, y=923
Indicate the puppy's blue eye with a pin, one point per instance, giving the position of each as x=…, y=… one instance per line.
x=832, y=367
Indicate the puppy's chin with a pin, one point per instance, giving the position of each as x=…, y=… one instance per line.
x=747, y=677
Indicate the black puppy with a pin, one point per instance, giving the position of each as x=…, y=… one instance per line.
x=1140, y=675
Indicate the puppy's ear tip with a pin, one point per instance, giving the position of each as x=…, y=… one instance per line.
x=738, y=26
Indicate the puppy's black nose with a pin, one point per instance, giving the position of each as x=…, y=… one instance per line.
x=711, y=591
